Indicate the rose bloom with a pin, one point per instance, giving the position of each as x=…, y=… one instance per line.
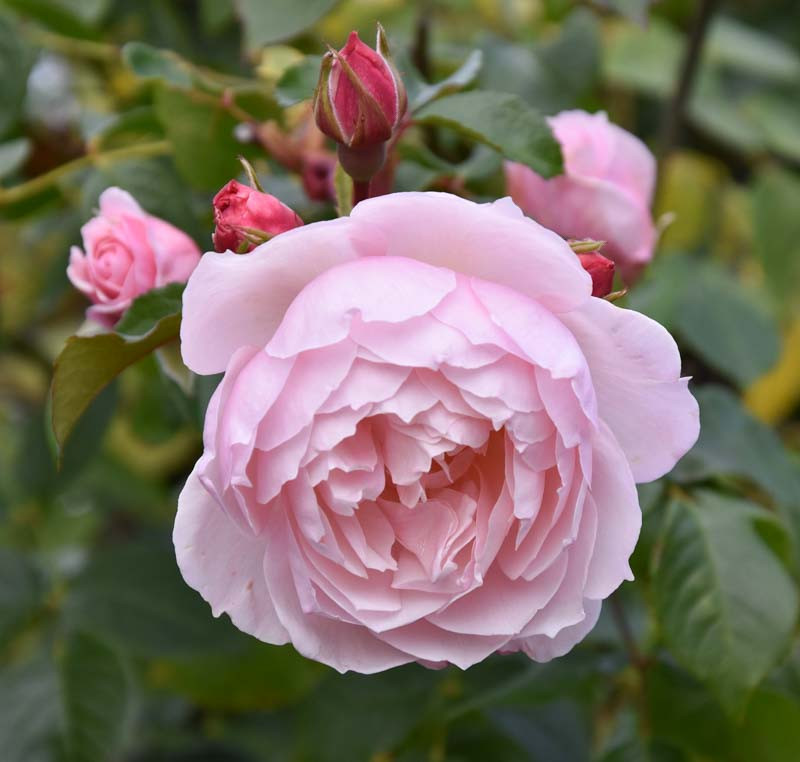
x=425, y=444
x=127, y=252
x=605, y=192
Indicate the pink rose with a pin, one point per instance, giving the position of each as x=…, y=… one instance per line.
x=425, y=444
x=128, y=252
x=243, y=215
x=605, y=192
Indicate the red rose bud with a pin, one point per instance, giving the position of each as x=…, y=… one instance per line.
x=317, y=176
x=245, y=217
x=602, y=271
x=360, y=98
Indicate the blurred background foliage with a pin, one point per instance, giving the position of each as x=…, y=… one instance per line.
x=106, y=655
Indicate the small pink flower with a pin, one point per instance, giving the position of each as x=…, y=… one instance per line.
x=605, y=192
x=245, y=217
x=602, y=271
x=127, y=252
x=360, y=98
x=426, y=441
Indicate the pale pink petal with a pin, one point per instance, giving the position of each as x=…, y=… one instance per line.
x=235, y=299
x=225, y=565
x=483, y=241
x=635, y=367
x=385, y=289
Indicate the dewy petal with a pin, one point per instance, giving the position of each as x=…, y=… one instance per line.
x=635, y=368
x=224, y=564
x=232, y=299
x=480, y=240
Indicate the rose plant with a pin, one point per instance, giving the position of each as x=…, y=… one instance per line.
x=394, y=429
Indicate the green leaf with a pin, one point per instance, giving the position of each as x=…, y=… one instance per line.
x=278, y=20
x=674, y=701
x=134, y=596
x=770, y=731
x=776, y=219
x=144, y=315
x=256, y=676
x=725, y=604
x=87, y=364
x=12, y=155
x=645, y=60
x=729, y=326
x=15, y=63
x=635, y=10
x=749, y=51
x=500, y=120
x=202, y=135
x=734, y=443
x=154, y=183
x=30, y=711
x=148, y=62
x=776, y=118
x=462, y=77
x=97, y=700
x=555, y=730
x=20, y=593
x=298, y=82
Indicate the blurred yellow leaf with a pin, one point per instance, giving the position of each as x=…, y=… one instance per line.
x=689, y=187
x=777, y=393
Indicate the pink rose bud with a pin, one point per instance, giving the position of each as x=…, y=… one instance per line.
x=359, y=102
x=246, y=217
x=360, y=97
x=125, y=253
x=317, y=176
x=602, y=271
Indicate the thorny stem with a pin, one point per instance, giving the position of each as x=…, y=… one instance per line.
x=688, y=73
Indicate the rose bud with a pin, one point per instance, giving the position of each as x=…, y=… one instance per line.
x=125, y=253
x=604, y=193
x=317, y=176
x=246, y=217
x=359, y=101
x=602, y=271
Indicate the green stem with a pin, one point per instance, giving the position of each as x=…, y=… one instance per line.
x=43, y=182
x=71, y=46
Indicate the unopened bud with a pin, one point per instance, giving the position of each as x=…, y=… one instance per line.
x=246, y=217
x=360, y=98
x=602, y=271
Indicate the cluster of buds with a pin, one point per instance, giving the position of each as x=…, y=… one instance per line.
x=359, y=102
